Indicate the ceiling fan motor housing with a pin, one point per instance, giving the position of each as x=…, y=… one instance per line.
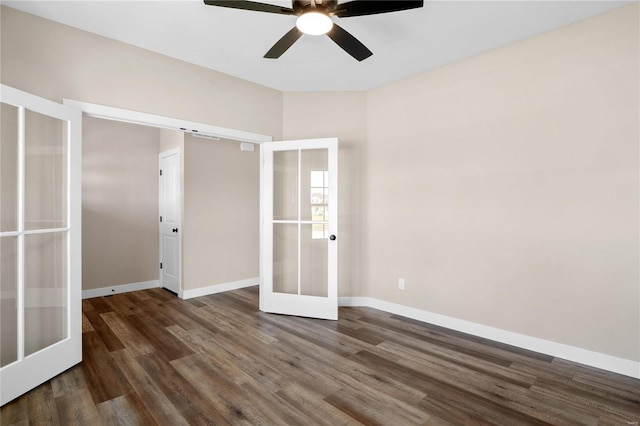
x=324, y=6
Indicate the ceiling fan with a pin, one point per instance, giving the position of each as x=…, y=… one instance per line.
x=314, y=18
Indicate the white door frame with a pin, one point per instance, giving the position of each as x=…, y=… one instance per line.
x=297, y=304
x=30, y=371
x=164, y=122
x=162, y=265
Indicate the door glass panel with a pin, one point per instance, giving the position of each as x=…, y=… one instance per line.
x=8, y=168
x=45, y=172
x=313, y=263
x=45, y=294
x=285, y=258
x=8, y=305
x=285, y=185
x=315, y=183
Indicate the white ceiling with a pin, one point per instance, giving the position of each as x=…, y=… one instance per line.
x=234, y=41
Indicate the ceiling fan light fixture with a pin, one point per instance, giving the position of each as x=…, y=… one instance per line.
x=314, y=23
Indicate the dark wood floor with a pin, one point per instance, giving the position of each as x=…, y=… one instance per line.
x=151, y=358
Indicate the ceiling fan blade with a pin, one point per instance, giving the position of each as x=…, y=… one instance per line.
x=284, y=43
x=349, y=43
x=250, y=5
x=371, y=7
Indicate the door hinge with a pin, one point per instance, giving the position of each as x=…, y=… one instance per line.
x=160, y=265
x=160, y=172
x=160, y=218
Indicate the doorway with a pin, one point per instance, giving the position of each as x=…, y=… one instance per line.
x=219, y=175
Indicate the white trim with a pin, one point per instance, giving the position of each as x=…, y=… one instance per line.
x=571, y=353
x=170, y=152
x=218, y=288
x=146, y=119
x=117, y=289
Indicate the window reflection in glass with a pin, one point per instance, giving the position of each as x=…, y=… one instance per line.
x=319, y=200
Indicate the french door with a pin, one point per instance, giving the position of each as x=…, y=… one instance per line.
x=40, y=259
x=299, y=219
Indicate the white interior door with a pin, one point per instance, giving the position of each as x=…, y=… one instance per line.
x=299, y=219
x=170, y=226
x=40, y=241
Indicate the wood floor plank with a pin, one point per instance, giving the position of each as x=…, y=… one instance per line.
x=42, y=407
x=341, y=345
x=69, y=382
x=132, y=340
x=194, y=368
x=102, y=374
x=86, y=325
x=192, y=313
x=122, y=304
x=176, y=317
x=157, y=335
x=98, y=304
x=226, y=397
x=195, y=302
x=614, y=408
x=458, y=407
x=554, y=411
x=160, y=295
x=252, y=330
x=420, y=338
x=107, y=335
x=254, y=321
x=152, y=358
x=437, y=357
x=203, y=342
x=126, y=410
x=77, y=409
x=313, y=405
x=373, y=411
x=191, y=404
x=349, y=373
x=86, y=305
x=160, y=407
x=15, y=412
x=274, y=409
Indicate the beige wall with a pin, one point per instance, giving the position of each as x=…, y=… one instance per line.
x=504, y=188
x=119, y=203
x=56, y=62
x=221, y=213
x=343, y=114
x=170, y=139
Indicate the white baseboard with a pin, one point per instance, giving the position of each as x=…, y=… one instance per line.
x=122, y=288
x=218, y=288
x=559, y=350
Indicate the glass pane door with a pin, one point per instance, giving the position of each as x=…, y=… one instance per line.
x=299, y=205
x=40, y=335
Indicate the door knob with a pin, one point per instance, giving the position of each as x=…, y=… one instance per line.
x=175, y=229
x=332, y=237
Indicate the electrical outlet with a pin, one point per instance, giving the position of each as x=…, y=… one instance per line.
x=401, y=283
